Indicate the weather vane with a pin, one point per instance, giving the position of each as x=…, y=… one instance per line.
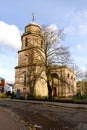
x=33, y=17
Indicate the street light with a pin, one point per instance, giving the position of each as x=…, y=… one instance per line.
x=25, y=80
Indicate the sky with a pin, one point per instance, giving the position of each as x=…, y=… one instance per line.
x=69, y=15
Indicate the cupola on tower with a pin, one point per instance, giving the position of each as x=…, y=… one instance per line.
x=30, y=72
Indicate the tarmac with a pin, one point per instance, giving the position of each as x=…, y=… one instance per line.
x=10, y=121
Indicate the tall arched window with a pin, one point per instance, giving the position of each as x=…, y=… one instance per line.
x=26, y=41
x=41, y=44
x=68, y=75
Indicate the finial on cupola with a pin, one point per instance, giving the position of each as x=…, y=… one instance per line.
x=33, y=17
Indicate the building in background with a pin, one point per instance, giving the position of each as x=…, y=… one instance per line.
x=2, y=84
x=82, y=87
x=9, y=89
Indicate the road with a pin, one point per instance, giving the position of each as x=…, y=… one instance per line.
x=48, y=116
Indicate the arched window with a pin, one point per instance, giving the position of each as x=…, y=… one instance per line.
x=71, y=77
x=54, y=75
x=41, y=44
x=68, y=75
x=26, y=41
x=74, y=78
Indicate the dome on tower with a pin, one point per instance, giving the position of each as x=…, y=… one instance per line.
x=32, y=28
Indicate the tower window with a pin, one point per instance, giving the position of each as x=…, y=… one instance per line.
x=68, y=75
x=41, y=44
x=26, y=41
x=71, y=77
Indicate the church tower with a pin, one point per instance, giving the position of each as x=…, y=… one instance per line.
x=30, y=72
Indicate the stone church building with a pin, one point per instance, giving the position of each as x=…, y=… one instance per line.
x=30, y=75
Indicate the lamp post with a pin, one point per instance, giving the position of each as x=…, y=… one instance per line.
x=26, y=80
x=25, y=94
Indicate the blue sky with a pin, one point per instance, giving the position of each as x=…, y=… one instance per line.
x=70, y=15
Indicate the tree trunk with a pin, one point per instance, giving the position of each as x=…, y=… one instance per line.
x=49, y=90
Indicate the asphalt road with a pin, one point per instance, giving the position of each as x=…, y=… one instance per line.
x=48, y=116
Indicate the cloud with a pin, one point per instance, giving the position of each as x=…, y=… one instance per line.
x=8, y=74
x=53, y=27
x=82, y=28
x=10, y=42
x=76, y=35
x=7, y=64
x=8, y=61
x=79, y=29
x=77, y=23
x=77, y=16
x=79, y=47
x=10, y=35
x=70, y=30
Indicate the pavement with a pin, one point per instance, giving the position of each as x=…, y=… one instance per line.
x=61, y=104
x=76, y=105
x=10, y=121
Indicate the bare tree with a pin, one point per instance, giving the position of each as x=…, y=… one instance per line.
x=84, y=81
x=55, y=54
x=77, y=71
x=51, y=53
x=85, y=74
